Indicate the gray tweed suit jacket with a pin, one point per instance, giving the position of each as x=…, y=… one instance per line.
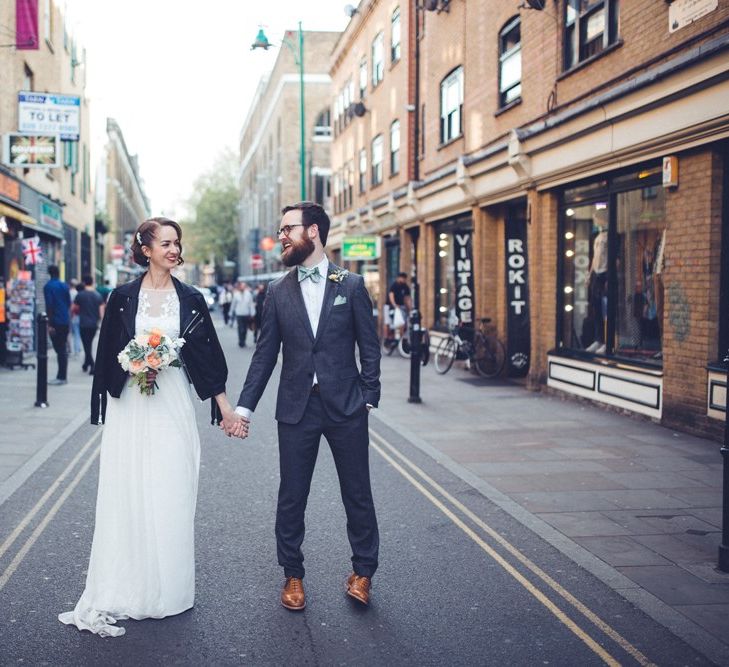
x=346, y=319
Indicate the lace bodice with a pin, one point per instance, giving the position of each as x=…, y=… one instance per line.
x=160, y=309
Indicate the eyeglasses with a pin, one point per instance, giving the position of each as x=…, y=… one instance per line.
x=286, y=229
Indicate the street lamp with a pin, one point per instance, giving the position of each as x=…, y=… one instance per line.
x=261, y=42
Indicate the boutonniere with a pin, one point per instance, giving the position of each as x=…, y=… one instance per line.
x=339, y=275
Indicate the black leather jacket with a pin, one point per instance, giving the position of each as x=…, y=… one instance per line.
x=202, y=356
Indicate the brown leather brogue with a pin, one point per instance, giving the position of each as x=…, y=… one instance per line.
x=292, y=595
x=359, y=588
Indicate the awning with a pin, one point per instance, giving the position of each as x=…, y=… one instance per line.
x=14, y=213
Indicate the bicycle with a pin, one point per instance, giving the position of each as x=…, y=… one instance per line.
x=485, y=353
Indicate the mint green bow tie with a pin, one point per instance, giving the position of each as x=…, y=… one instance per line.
x=312, y=273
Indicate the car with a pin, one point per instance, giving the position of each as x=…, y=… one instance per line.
x=209, y=297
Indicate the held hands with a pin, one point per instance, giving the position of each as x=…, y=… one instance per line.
x=235, y=425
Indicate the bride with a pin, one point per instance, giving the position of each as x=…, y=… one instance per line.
x=142, y=562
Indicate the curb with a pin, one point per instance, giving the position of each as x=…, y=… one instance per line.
x=684, y=628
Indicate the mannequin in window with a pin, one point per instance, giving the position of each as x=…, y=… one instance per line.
x=597, y=280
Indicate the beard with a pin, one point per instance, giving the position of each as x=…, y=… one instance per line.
x=298, y=251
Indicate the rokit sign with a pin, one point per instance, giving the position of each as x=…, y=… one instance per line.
x=464, y=277
x=517, y=287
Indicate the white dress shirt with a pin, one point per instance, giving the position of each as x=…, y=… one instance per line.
x=313, y=294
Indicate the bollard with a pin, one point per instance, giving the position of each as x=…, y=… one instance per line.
x=41, y=386
x=724, y=546
x=416, y=337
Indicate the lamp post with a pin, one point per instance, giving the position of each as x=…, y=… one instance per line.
x=724, y=546
x=261, y=42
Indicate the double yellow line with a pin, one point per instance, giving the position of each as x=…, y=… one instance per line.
x=47, y=518
x=447, y=504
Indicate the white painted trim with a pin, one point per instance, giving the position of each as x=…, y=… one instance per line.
x=634, y=390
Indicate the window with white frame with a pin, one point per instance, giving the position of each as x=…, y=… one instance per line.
x=378, y=59
x=589, y=28
x=510, y=62
x=362, y=170
x=451, y=105
x=363, y=78
x=377, y=160
x=395, y=147
x=395, y=36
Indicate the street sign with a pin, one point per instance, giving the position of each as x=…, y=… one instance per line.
x=361, y=247
x=256, y=262
x=31, y=150
x=50, y=113
x=117, y=251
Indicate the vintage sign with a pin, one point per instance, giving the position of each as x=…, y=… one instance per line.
x=684, y=12
x=517, y=297
x=361, y=247
x=49, y=113
x=31, y=150
x=464, y=277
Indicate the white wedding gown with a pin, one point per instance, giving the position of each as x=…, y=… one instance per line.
x=142, y=562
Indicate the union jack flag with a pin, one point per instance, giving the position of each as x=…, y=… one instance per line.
x=32, y=250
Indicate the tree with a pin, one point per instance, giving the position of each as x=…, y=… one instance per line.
x=210, y=233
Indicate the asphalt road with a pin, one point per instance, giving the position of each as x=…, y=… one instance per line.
x=460, y=582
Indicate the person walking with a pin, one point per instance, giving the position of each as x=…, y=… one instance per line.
x=76, y=346
x=243, y=310
x=58, y=308
x=90, y=310
x=259, y=300
x=225, y=298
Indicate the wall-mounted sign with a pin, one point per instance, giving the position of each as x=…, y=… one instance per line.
x=31, y=150
x=670, y=171
x=256, y=262
x=9, y=188
x=361, y=247
x=463, y=258
x=684, y=12
x=517, y=295
x=50, y=113
x=50, y=216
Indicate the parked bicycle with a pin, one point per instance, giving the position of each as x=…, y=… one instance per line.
x=403, y=346
x=481, y=349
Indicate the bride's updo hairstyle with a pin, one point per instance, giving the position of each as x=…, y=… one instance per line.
x=147, y=232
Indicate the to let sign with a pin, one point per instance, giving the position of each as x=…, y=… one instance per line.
x=49, y=113
x=361, y=247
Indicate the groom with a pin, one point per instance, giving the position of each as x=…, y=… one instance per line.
x=318, y=313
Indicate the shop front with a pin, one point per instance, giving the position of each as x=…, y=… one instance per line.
x=453, y=278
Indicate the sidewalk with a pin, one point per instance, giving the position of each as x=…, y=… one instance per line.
x=636, y=504
x=29, y=435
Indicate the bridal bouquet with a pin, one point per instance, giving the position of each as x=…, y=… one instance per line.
x=146, y=355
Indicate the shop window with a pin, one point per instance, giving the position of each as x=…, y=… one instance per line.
x=451, y=105
x=363, y=171
x=395, y=147
x=395, y=36
x=510, y=62
x=363, y=78
x=454, y=291
x=377, y=160
x=323, y=125
x=378, y=59
x=590, y=26
x=612, y=258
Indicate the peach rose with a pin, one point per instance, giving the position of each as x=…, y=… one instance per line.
x=155, y=337
x=153, y=361
x=136, y=365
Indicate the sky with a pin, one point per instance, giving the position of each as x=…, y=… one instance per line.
x=179, y=76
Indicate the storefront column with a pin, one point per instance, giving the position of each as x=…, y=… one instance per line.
x=542, y=211
x=488, y=256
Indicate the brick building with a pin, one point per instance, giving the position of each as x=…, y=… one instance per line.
x=270, y=166
x=41, y=63
x=570, y=182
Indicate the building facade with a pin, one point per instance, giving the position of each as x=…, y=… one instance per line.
x=270, y=154
x=121, y=202
x=46, y=201
x=570, y=182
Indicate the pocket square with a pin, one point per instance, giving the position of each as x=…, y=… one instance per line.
x=340, y=300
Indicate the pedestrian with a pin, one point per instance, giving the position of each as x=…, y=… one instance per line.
x=75, y=323
x=243, y=309
x=91, y=310
x=57, y=296
x=319, y=313
x=259, y=299
x=104, y=290
x=224, y=300
x=142, y=562
x=398, y=297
